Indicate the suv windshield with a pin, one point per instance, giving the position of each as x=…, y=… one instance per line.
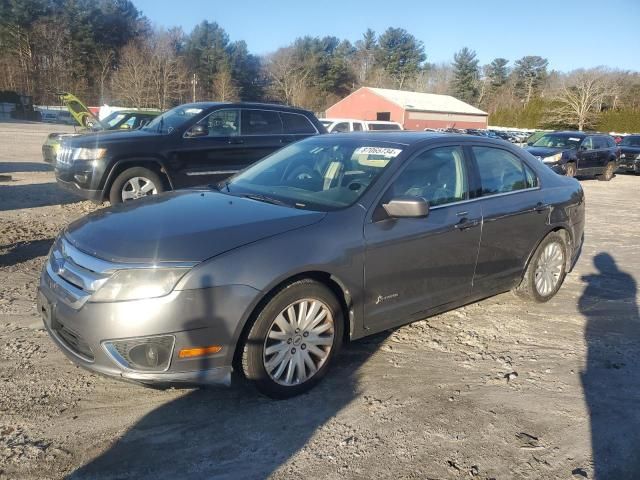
x=172, y=119
x=631, y=141
x=317, y=173
x=552, y=140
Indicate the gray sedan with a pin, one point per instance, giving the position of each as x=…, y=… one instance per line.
x=328, y=240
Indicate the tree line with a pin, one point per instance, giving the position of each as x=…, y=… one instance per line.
x=107, y=51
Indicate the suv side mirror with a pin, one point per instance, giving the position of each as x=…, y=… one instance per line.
x=198, y=131
x=407, y=207
x=583, y=148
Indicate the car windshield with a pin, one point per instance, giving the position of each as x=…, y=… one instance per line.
x=316, y=174
x=113, y=119
x=558, y=141
x=633, y=141
x=383, y=126
x=172, y=119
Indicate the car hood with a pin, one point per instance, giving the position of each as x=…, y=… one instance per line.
x=106, y=137
x=545, y=151
x=629, y=149
x=187, y=226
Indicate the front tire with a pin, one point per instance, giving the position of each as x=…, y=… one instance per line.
x=571, y=170
x=546, y=270
x=294, y=339
x=134, y=183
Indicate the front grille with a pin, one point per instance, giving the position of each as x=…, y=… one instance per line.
x=77, y=273
x=64, y=156
x=73, y=341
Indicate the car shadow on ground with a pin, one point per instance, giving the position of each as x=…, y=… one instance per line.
x=11, y=167
x=230, y=433
x=19, y=252
x=612, y=334
x=14, y=197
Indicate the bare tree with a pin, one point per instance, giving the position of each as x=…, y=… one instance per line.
x=580, y=98
x=225, y=88
x=290, y=79
x=105, y=60
x=131, y=81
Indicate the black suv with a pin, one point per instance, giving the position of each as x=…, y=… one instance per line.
x=193, y=144
x=577, y=153
x=630, y=153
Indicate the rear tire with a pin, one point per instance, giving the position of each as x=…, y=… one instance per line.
x=609, y=172
x=133, y=183
x=285, y=358
x=546, y=270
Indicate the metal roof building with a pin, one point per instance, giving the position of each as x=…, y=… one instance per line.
x=414, y=110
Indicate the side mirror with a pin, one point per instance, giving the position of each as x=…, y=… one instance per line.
x=407, y=207
x=583, y=148
x=198, y=131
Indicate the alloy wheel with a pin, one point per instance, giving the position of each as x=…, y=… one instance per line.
x=549, y=269
x=138, y=187
x=299, y=342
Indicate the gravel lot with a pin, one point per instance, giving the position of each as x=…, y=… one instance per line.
x=498, y=389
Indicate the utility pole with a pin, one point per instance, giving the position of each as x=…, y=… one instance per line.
x=194, y=82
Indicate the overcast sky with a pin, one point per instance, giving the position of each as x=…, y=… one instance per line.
x=571, y=34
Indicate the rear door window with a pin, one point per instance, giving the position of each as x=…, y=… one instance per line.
x=357, y=127
x=294, y=123
x=501, y=171
x=261, y=122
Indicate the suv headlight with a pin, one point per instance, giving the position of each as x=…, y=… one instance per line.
x=139, y=284
x=553, y=158
x=88, y=153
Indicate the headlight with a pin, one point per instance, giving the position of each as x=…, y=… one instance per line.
x=88, y=153
x=553, y=158
x=138, y=284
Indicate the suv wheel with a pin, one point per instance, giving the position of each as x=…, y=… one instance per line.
x=609, y=172
x=571, y=170
x=134, y=183
x=546, y=270
x=293, y=339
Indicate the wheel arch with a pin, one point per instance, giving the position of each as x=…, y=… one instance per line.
x=154, y=164
x=331, y=281
x=568, y=238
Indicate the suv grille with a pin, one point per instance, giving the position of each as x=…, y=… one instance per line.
x=64, y=156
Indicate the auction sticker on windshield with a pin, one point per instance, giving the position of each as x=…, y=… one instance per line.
x=385, y=152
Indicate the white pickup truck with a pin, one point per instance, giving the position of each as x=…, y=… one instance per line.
x=337, y=125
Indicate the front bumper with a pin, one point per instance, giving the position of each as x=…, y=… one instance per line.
x=187, y=315
x=95, y=196
x=629, y=165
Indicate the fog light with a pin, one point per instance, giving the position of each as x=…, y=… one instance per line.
x=81, y=178
x=146, y=353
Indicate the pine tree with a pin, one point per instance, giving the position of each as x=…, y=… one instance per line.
x=465, y=75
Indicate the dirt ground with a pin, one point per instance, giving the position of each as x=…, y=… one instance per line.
x=499, y=389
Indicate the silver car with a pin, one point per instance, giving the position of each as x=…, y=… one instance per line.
x=328, y=240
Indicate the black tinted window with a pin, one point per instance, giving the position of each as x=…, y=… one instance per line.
x=260, y=122
x=437, y=175
x=341, y=127
x=221, y=123
x=357, y=127
x=500, y=171
x=598, y=143
x=295, y=123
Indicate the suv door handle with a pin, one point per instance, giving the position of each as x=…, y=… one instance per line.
x=235, y=141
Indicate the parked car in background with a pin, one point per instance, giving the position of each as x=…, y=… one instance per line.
x=577, y=153
x=342, y=125
x=630, y=153
x=506, y=136
x=193, y=144
x=269, y=272
x=79, y=114
x=534, y=137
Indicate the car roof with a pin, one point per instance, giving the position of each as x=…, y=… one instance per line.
x=273, y=106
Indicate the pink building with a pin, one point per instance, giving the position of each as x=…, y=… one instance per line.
x=413, y=110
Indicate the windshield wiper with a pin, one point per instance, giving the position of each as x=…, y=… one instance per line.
x=264, y=198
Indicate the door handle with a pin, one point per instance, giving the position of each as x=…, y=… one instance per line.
x=541, y=207
x=235, y=141
x=465, y=224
